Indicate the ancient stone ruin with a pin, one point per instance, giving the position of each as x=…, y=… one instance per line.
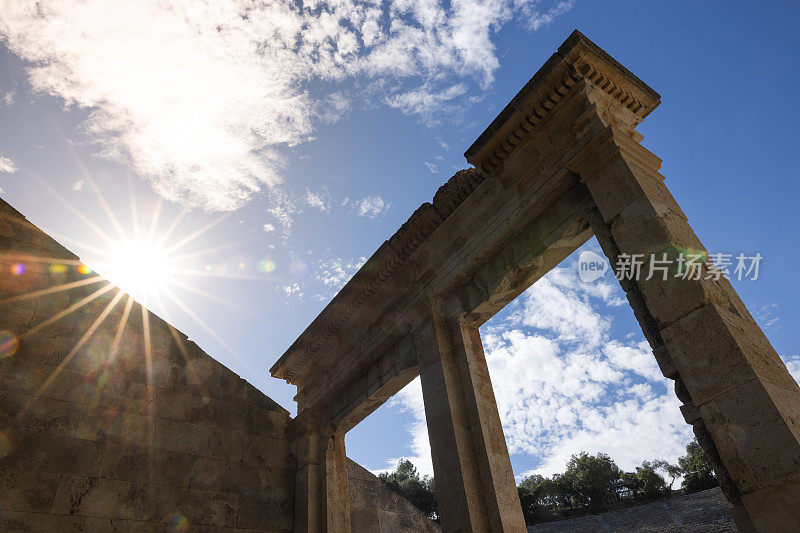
x=113, y=420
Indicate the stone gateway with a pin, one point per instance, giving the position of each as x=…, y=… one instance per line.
x=562, y=162
x=112, y=420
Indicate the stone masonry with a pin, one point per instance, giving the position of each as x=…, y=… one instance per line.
x=112, y=420
x=562, y=162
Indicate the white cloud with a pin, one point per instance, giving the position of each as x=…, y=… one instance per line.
x=318, y=201
x=793, y=365
x=7, y=166
x=199, y=97
x=372, y=206
x=335, y=273
x=293, y=289
x=433, y=167
x=540, y=20
x=283, y=209
x=269, y=228
x=410, y=400
x=767, y=316
x=7, y=99
x=427, y=102
x=78, y=185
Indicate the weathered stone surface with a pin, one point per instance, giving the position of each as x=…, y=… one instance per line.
x=14, y=521
x=774, y=508
x=27, y=490
x=756, y=428
x=712, y=338
x=376, y=508
x=98, y=441
x=45, y=415
x=50, y=453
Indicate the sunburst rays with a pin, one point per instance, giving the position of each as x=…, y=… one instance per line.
x=51, y=290
x=58, y=275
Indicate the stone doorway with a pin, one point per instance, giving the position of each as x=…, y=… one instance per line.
x=562, y=162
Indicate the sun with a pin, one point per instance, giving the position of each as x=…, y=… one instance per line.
x=140, y=268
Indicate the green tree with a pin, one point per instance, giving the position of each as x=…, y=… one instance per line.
x=406, y=482
x=698, y=472
x=673, y=471
x=592, y=479
x=537, y=493
x=649, y=485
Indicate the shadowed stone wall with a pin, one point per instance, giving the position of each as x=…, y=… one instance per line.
x=375, y=507
x=110, y=419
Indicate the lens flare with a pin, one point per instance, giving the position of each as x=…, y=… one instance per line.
x=85, y=270
x=56, y=268
x=299, y=268
x=8, y=344
x=177, y=522
x=18, y=269
x=266, y=265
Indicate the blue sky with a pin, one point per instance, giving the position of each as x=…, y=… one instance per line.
x=280, y=147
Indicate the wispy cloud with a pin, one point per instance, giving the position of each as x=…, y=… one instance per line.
x=78, y=185
x=293, y=289
x=767, y=316
x=269, y=228
x=427, y=101
x=336, y=272
x=318, y=200
x=372, y=206
x=200, y=97
x=7, y=98
x=538, y=19
x=7, y=166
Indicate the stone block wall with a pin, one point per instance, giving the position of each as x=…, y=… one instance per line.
x=374, y=507
x=112, y=420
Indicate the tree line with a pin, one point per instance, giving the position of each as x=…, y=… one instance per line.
x=590, y=484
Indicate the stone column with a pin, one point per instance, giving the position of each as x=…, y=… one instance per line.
x=474, y=481
x=322, y=501
x=737, y=393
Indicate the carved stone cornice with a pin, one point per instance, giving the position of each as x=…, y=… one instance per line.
x=577, y=61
